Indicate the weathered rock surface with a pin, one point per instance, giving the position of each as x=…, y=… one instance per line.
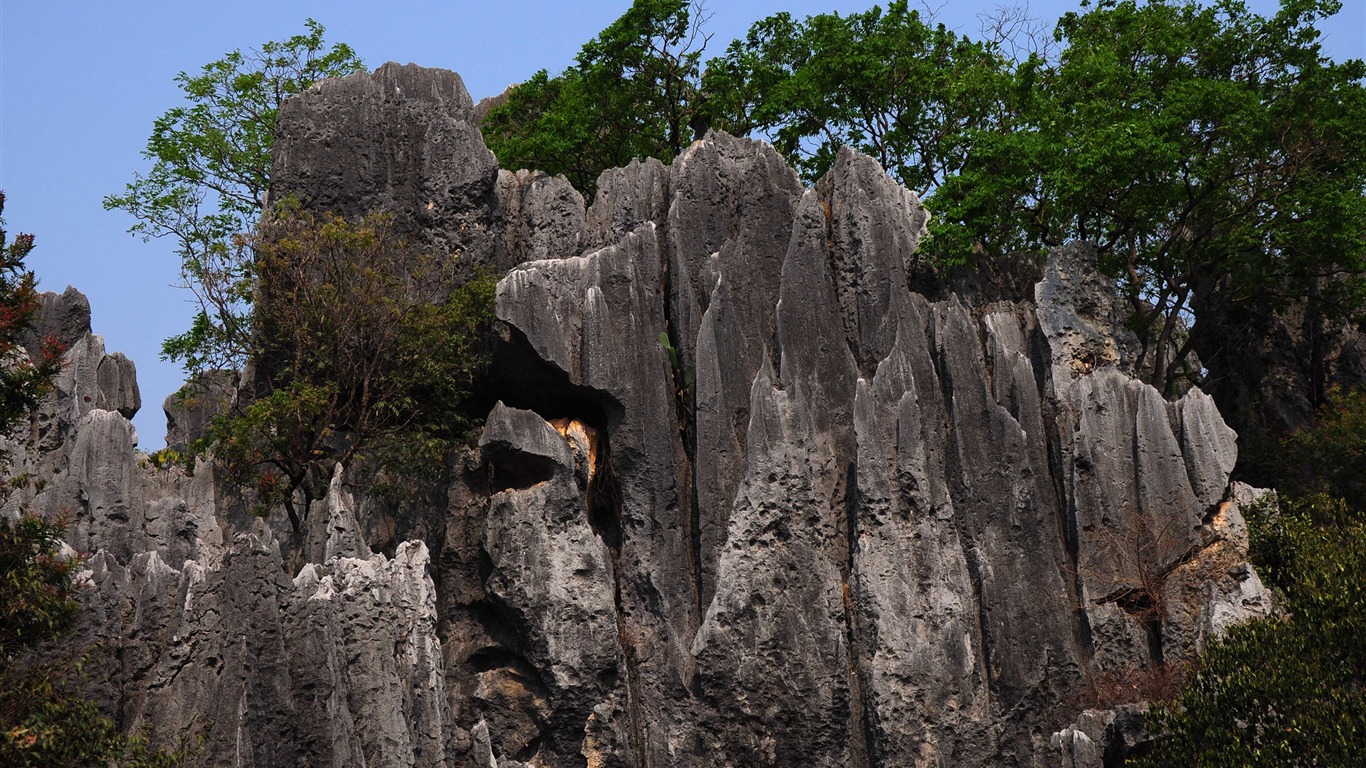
x=200, y=633
x=402, y=139
x=191, y=410
x=748, y=498
x=63, y=318
x=1102, y=738
x=1271, y=363
x=911, y=523
x=1084, y=320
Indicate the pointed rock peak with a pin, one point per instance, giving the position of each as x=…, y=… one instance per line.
x=336, y=534
x=63, y=317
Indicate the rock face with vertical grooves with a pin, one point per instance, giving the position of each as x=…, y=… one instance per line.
x=747, y=498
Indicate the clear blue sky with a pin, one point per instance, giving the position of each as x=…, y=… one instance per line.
x=81, y=83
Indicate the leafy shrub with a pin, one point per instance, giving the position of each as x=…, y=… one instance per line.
x=1328, y=458
x=1285, y=691
x=44, y=721
x=363, y=350
x=37, y=596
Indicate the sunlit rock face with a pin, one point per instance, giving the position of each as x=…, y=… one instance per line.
x=747, y=498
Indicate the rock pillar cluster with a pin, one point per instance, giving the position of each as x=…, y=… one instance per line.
x=747, y=497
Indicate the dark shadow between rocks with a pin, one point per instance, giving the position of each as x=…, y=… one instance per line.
x=522, y=379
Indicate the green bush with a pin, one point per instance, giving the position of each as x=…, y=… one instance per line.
x=37, y=596
x=45, y=722
x=1328, y=458
x=1285, y=691
x=368, y=351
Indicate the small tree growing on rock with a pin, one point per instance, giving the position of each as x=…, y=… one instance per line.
x=362, y=351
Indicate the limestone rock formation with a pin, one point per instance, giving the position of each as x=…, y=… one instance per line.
x=1101, y=738
x=403, y=140
x=1271, y=367
x=62, y=317
x=747, y=499
x=191, y=410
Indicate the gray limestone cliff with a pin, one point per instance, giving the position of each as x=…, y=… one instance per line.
x=852, y=526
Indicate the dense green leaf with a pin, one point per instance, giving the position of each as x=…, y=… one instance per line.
x=368, y=349
x=631, y=93
x=209, y=178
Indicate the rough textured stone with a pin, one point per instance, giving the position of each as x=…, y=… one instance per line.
x=484, y=106
x=1082, y=316
x=335, y=533
x=201, y=635
x=92, y=380
x=729, y=225
x=1101, y=738
x=1148, y=479
x=191, y=409
x=748, y=498
x=626, y=199
x=543, y=216
x=901, y=546
x=62, y=317
x=552, y=578
x=340, y=666
x=403, y=139
x=603, y=332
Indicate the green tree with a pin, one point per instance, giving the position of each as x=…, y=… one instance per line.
x=1284, y=691
x=363, y=352
x=631, y=93
x=39, y=597
x=23, y=381
x=908, y=93
x=209, y=178
x=1201, y=147
x=1324, y=460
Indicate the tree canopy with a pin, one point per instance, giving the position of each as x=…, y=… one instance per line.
x=358, y=345
x=210, y=175
x=363, y=350
x=907, y=92
x=632, y=92
x=1197, y=146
